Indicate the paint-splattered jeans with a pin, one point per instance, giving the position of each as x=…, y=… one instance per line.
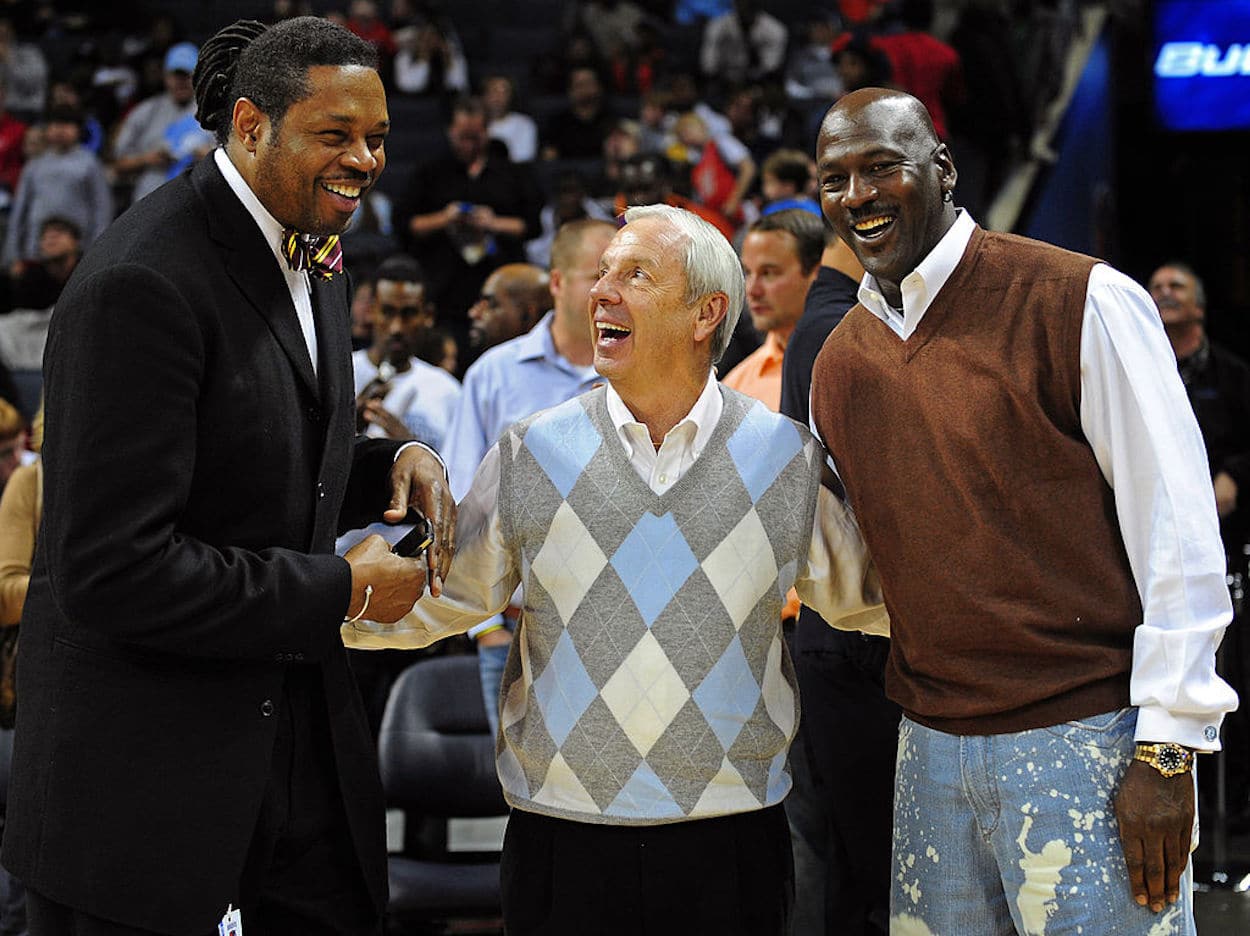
x=1016, y=833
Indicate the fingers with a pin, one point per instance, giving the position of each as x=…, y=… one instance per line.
x=1134, y=859
x=1152, y=855
x=1176, y=859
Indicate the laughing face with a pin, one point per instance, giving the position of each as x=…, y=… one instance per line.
x=311, y=169
x=643, y=326
x=883, y=175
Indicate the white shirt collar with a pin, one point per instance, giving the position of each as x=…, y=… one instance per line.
x=270, y=227
x=703, y=417
x=921, y=286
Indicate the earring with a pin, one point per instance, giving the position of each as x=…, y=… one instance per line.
x=948, y=196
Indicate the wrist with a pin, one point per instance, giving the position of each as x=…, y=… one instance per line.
x=1167, y=757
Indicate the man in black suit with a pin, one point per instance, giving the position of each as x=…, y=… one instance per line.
x=190, y=736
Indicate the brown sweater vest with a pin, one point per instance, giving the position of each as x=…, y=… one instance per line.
x=1011, y=600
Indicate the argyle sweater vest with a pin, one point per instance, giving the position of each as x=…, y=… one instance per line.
x=649, y=681
x=1012, y=604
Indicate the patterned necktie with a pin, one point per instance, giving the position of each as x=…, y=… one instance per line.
x=321, y=256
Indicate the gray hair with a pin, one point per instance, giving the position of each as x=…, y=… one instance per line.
x=712, y=265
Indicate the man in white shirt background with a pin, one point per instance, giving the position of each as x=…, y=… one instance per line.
x=398, y=395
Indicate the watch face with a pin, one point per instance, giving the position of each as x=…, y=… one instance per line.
x=1171, y=759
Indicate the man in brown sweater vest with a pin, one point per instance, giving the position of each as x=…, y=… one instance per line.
x=1010, y=429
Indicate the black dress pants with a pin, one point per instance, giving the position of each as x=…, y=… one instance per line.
x=731, y=875
x=301, y=876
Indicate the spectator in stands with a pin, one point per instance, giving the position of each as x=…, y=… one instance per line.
x=398, y=395
x=429, y=59
x=647, y=179
x=550, y=363
x=786, y=181
x=780, y=258
x=362, y=309
x=923, y=65
x=513, y=299
x=364, y=21
x=36, y=282
x=67, y=181
x=810, y=72
x=578, y=131
x=141, y=151
x=862, y=65
x=746, y=44
x=613, y=25
x=12, y=440
x=63, y=93
x=568, y=203
x=466, y=214
x=517, y=131
x=25, y=72
x=653, y=122
x=552, y=72
x=12, y=135
x=717, y=179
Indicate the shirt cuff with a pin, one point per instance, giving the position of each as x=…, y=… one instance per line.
x=1194, y=731
x=494, y=621
x=406, y=445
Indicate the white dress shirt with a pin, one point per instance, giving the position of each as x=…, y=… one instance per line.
x=839, y=582
x=271, y=230
x=1142, y=430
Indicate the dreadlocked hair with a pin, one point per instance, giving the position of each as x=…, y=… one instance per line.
x=214, y=74
x=268, y=65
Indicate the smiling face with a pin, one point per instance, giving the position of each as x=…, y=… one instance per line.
x=644, y=330
x=312, y=169
x=882, y=177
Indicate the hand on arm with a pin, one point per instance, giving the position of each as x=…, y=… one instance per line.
x=418, y=479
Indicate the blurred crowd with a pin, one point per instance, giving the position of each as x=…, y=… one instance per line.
x=509, y=124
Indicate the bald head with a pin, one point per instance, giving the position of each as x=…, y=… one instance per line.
x=886, y=182
x=512, y=300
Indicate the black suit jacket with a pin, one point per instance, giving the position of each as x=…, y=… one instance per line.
x=195, y=476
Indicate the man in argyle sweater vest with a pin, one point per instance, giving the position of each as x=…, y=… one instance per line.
x=656, y=525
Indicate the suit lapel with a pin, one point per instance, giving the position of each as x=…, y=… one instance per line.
x=250, y=264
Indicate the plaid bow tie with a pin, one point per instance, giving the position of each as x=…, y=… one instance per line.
x=321, y=256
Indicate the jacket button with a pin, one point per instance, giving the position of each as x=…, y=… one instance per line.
x=266, y=708
x=279, y=657
x=297, y=656
x=321, y=490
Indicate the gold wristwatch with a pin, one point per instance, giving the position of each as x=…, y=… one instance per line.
x=1169, y=759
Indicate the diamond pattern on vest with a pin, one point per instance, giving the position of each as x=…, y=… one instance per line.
x=563, y=445
x=569, y=562
x=761, y=449
x=645, y=693
x=650, y=682
x=653, y=563
x=563, y=690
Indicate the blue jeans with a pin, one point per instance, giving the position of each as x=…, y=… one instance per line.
x=491, y=662
x=1016, y=834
